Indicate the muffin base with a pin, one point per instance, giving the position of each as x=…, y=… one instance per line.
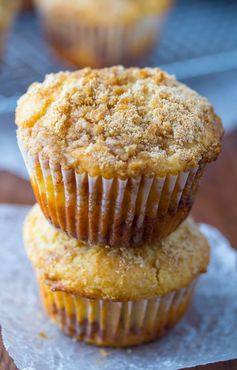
x=117, y=212
x=84, y=44
x=115, y=323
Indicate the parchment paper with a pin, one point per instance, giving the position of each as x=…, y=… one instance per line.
x=206, y=334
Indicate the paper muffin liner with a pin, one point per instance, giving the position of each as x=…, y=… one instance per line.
x=115, y=323
x=115, y=212
x=85, y=44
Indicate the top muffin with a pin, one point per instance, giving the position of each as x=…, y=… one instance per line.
x=106, y=11
x=118, y=122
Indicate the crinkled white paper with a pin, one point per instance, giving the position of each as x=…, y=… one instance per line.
x=206, y=334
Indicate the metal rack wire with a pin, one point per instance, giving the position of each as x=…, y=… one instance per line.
x=199, y=38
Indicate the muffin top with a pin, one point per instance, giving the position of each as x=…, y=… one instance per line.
x=118, y=122
x=67, y=265
x=103, y=12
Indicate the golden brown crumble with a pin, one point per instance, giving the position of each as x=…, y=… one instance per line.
x=118, y=121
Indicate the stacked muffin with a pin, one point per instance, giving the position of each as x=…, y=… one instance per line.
x=100, y=33
x=115, y=157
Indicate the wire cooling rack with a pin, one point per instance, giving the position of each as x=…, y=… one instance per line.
x=199, y=38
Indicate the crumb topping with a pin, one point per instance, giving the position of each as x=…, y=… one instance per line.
x=117, y=120
x=115, y=273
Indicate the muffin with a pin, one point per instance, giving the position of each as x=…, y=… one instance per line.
x=99, y=33
x=115, y=155
x=112, y=296
x=7, y=12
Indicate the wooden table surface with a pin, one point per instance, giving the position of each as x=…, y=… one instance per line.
x=216, y=203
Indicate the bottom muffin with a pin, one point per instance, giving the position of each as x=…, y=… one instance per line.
x=115, y=296
x=115, y=323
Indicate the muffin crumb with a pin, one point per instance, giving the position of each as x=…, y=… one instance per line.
x=104, y=353
x=42, y=335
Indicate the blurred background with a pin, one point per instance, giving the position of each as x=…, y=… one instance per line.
x=197, y=42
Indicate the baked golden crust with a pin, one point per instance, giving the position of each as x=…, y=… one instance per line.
x=115, y=273
x=104, y=12
x=118, y=122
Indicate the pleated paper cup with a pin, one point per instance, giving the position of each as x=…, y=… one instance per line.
x=117, y=212
x=115, y=323
x=86, y=44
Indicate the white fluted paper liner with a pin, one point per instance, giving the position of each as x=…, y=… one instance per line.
x=86, y=44
x=113, y=211
x=113, y=323
x=206, y=333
